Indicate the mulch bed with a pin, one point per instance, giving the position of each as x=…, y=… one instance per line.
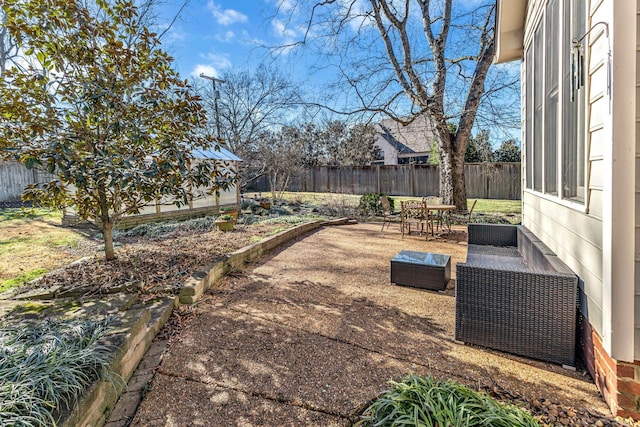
x=152, y=265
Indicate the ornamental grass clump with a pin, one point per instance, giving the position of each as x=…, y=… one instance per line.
x=426, y=402
x=45, y=367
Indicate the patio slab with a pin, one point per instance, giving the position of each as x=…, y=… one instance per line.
x=316, y=329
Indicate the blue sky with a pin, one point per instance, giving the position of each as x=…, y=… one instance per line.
x=214, y=36
x=217, y=36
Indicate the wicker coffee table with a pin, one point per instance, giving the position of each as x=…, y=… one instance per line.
x=421, y=269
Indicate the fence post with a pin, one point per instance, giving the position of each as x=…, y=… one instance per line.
x=412, y=172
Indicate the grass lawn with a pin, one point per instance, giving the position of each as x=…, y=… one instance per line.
x=32, y=243
x=486, y=206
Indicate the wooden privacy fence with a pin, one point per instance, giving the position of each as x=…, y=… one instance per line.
x=483, y=180
x=14, y=177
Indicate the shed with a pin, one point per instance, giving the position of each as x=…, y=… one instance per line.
x=202, y=204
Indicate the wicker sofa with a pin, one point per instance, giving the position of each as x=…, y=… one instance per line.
x=515, y=295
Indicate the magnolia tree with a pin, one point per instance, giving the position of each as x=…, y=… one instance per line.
x=96, y=102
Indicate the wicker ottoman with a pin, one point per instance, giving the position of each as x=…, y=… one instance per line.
x=421, y=269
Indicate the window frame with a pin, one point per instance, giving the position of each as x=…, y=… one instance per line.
x=536, y=126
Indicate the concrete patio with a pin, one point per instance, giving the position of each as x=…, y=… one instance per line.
x=312, y=332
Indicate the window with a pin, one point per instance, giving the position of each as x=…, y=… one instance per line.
x=573, y=148
x=529, y=117
x=554, y=111
x=551, y=102
x=538, y=91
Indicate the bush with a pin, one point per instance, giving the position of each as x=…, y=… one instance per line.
x=370, y=204
x=424, y=401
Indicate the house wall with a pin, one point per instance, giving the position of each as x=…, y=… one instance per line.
x=389, y=151
x=600, y=239
x=637, y=193
x=574, y=231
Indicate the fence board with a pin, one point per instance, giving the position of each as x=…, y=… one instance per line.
x=483, y=181
x=14, y=178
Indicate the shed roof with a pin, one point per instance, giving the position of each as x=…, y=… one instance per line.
x=220, y=153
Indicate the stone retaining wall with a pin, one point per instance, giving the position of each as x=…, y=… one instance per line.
x=135, y=330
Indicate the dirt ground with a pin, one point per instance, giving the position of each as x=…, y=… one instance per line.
x=312, y=333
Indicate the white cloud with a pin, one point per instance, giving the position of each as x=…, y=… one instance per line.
x=176, y=33
x=358, y=14
x=226, y=37
x=281, y=29
x=286, y=5
x=220, y=62
x=207, y=70
x=227, y=16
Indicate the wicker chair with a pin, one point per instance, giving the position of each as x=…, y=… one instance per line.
x=388, y=214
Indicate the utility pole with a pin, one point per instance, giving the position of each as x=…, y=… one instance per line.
x=216, y=95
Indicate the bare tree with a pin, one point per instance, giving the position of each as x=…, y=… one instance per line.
x=421, y=57
x=281, y=154
x=250, y=104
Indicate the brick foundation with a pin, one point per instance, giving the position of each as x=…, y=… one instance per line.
x=619, y=382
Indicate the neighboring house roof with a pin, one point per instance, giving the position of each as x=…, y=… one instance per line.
x=222, y=154
x=510, y=17
x=414, y=138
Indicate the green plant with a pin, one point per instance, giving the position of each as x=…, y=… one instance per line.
x=10, y=214
x=225, y=217
x=370, y=204
x=21, y=279
x=45, y=367
x=425, y=401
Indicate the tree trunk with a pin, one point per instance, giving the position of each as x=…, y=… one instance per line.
x=107, y=235
x=446, y=173
x=458, y=183
x=106, y=224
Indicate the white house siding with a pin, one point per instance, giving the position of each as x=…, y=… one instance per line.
x=637, y=195
x=577, y=239
x=575, y=232
x=389, y=151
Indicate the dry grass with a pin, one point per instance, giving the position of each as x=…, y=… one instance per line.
x=31, y=246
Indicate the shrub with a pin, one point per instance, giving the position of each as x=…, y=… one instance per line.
x=424, y=401
x=370, y=204
x=337, y=205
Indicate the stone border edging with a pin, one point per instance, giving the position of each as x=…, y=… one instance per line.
x=99, y=400
x=196, y=285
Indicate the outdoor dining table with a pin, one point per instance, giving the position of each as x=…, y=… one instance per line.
x=442, y=209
